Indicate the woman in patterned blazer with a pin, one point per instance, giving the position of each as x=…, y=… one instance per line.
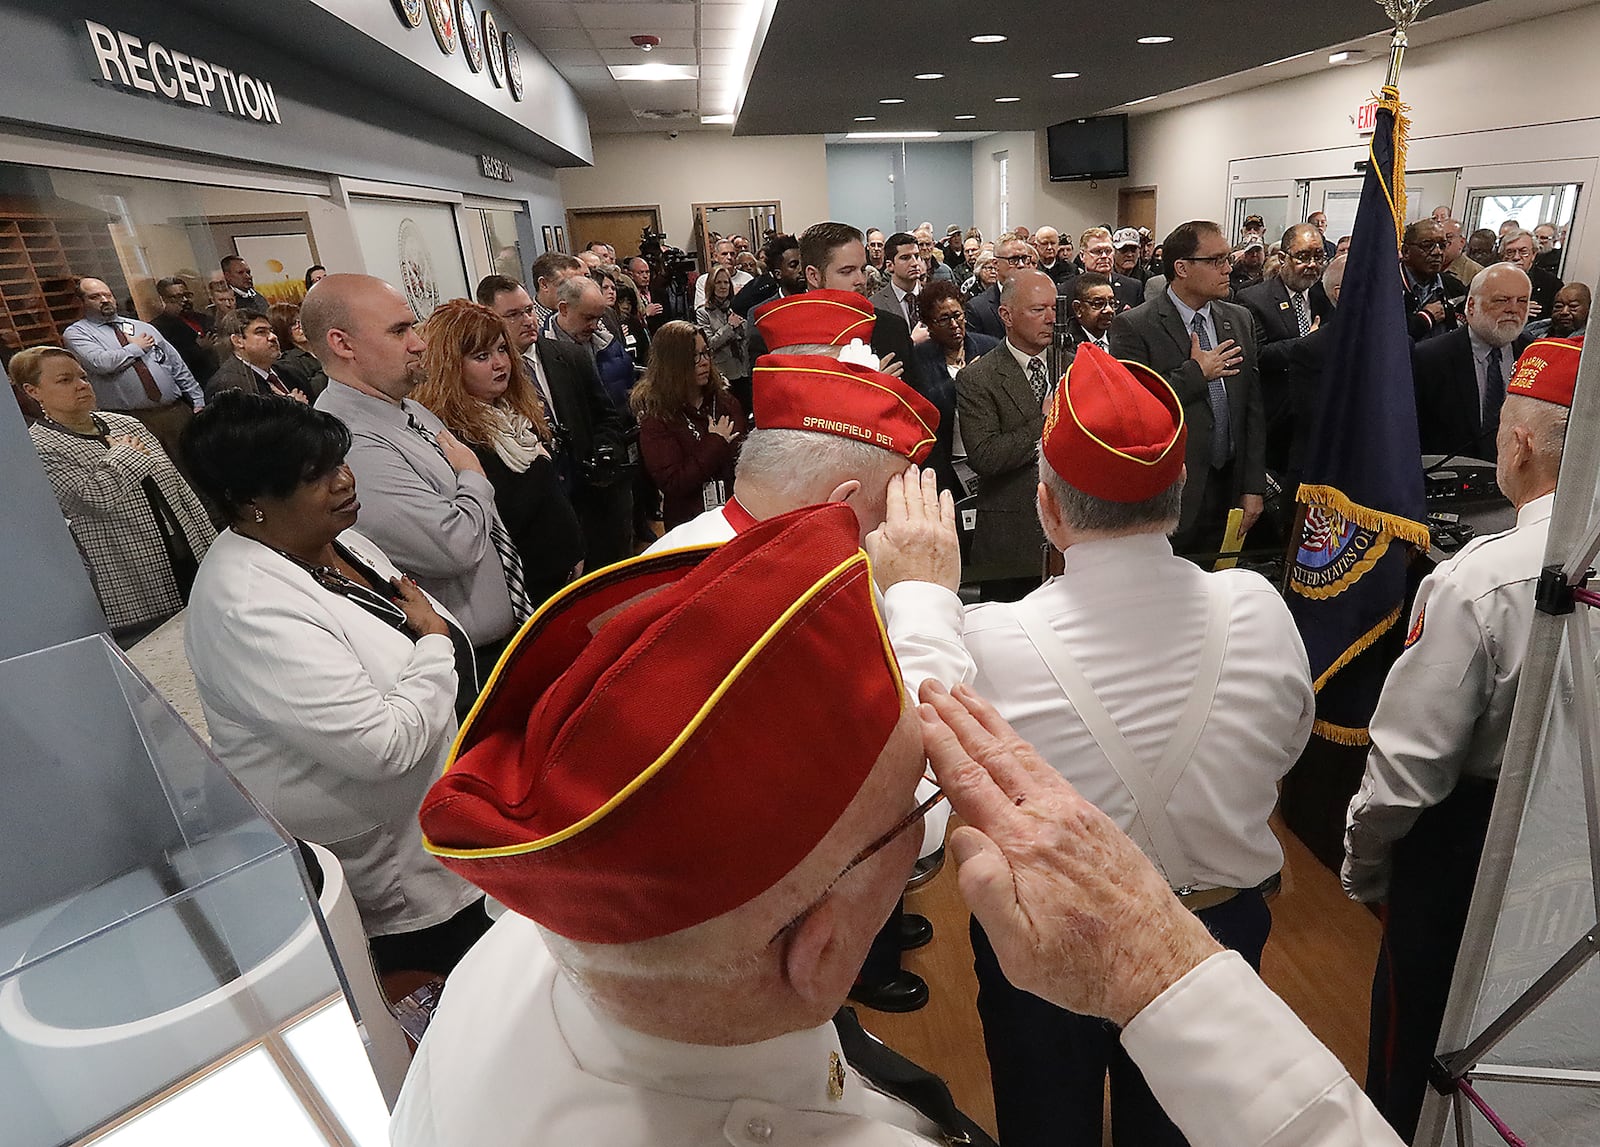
x=141, y=529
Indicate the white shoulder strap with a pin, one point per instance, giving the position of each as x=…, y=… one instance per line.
x=1150, y=789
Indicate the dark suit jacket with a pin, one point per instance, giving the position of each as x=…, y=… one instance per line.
x=1276, y=332
x=198, y=351
x=1302, y=382
x=581, y=406
x=1129, y=292
x=757, y=291
x=235, y=374
x=1001, y=423
x=1545, y=286
x=1449, y=410
x=983, y=313
x=1154, y=333
x=934, y=383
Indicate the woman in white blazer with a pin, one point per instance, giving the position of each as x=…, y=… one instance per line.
x=331, y=683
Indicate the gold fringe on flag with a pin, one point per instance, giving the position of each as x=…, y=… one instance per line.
x=1340, y=734
x=1377, y=521
x=1357, y=648
x=1389, y=100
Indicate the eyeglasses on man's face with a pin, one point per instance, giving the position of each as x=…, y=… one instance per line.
x=1306, y=258
x=1218, y=261
x=910, y=820
x=1016, y=260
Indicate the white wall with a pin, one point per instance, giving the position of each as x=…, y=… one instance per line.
x=1528, y=73
x=642, y=170
x=1302, y=128
x=1035, y=201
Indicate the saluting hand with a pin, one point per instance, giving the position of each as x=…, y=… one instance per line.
x=1076, y=913
x=918, y=540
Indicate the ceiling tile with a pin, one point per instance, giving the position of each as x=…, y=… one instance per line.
x=728, y=16
x=685, y=56
x=622, y=37
x=532, y=15
x=637, y=17
x=551, y=39
x=721, y=38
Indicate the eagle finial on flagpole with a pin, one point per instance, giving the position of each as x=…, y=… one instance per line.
x=1404, y=13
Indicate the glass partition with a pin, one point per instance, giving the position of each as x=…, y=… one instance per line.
x=154, y=923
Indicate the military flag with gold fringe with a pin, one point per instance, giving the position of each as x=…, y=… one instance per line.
x=1362, y=488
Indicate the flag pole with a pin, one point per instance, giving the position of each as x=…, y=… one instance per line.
x=1404, y=13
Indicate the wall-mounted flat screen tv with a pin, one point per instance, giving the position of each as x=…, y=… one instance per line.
x=1094, y=148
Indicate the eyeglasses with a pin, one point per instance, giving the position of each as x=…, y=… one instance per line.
x=914, y=817
x=1016, y=260
x=1099, y=304
x=945, y=320
x=519, y=313
x=1215, y=260
x=1305, y=257
x=1431, y=244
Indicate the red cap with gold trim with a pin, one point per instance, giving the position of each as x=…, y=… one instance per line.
x=809, y=392
x=1547, y=370
x=817, y=318
x=663, y=741
x=1115, y=429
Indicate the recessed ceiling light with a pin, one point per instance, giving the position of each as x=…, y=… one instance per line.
x=1064, y=76
x=890, y=134
x=654, y=72
x=1155, y=39
x=1350, y=56
x=988, y=39
x=892, y=101
x=928, y=76
x=716, y=119
x=866, y=118
x=966, y=117
x=1007, y=99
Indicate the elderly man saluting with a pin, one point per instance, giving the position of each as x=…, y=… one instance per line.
x=1174, y=699
x=695, y=863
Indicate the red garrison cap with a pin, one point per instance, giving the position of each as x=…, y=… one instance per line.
x=669, y=737
x=809, y=392
x=1115, y=429
x=817, y=318
x=1547, y=370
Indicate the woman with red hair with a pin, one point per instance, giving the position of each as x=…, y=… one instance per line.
x=480, y=388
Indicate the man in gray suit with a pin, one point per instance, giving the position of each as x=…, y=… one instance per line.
x=1205, y=348
x=1000, y=410
x=425, y=499
x=906, y=271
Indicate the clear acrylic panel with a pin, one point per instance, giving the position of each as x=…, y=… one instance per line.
x=152, y=920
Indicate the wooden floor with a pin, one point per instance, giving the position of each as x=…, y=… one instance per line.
x=1319, y=959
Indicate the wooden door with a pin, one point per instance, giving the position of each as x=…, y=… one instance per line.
x=619, y=226
x=1136, y=207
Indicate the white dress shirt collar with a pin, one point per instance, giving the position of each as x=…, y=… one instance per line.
x=1022, y=357
x=792, y=1070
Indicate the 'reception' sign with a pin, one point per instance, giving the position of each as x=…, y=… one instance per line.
x=126, y=62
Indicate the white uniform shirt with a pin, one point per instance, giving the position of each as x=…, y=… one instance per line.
x=1234, y=1067
x=515, y=1057
x=1446, y=705
x=1134, y=617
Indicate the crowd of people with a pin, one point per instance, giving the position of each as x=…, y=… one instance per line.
x=407, y=650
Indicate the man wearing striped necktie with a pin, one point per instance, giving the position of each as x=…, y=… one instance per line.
x=425, y=499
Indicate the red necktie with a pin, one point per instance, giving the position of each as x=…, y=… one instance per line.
x=146, y=379
x=275, y=384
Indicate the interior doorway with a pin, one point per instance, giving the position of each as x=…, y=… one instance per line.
x=622, y=227
x=752, y=220
x=1136, y=207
